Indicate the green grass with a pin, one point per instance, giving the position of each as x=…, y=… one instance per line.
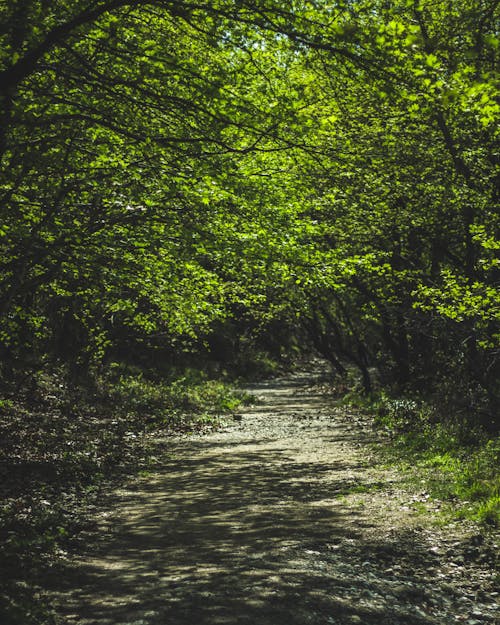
x=363, y=488
x=465, y=475
x=458, y=465
x=190, y=398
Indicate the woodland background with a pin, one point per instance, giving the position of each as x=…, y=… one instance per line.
x=194, y=191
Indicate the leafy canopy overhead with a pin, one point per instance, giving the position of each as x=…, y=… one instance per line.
x=167, y=166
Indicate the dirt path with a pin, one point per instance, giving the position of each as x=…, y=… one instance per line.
x=282, y=518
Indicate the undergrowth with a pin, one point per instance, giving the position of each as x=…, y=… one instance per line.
x=171, y=402
x=458, y=463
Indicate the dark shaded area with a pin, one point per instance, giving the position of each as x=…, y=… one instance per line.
x=221, y=539
x=235, y=536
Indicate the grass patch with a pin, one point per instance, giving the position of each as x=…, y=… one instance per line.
x=457, y=465
x=466, y=476
x=363, y=488
x=188, y=399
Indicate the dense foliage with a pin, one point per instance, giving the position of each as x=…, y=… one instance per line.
x=207, y=178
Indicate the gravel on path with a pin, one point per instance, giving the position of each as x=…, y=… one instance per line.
x=284, y=516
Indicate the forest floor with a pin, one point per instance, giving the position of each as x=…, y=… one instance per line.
x=286, y=515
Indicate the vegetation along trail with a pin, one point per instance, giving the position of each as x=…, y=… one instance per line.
x=198, y=192
x=283, y=516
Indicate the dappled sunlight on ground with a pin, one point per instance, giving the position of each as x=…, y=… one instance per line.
x=266, y=522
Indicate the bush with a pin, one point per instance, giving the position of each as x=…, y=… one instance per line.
x=171, y=401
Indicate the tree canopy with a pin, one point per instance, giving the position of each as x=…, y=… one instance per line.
x=177, y=172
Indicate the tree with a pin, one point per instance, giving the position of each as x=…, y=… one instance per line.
x=168, y=166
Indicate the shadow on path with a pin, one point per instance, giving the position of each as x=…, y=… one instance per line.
x=246, y=527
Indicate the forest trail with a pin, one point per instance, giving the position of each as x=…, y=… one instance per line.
x=284, y=517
